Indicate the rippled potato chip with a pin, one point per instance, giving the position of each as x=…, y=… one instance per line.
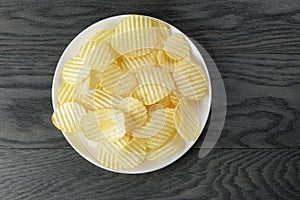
x=101, y=57
x=65, y=93
x=67, y=116
x=134, y=111
x=190, y=80
x=151, y=93
x=167, y=150
x=186, y=119
x=163, y=32
x=102, y=36
x=98, y=98
x=163, y=135
x=164, y=61
x=75, y=71
x=134, y=64
x=159, y=121
x=177, y=47
x=87, y=48
x=117, y=81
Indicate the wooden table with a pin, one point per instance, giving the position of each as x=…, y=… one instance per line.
x=256, y=46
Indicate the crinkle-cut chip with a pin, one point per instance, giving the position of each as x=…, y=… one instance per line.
x=98, y=98
x=163, y=32
x=166, y=102
x=174, y=97
x=102, y=36
x=101, y=57
x=167, y=150
x=67, y=116
x=133, y=43
x=190, y=80
x=130, y=156
x=95, y=79
x=109, y=160
x=75, y=71
x=159, y=121
x=154, y=75
x=151, y=93
x=111, y=123
x=90, y=127
x=133, y=22
x=177, y=47
x=65, y=93
x=186, y=119
x=117, y=81
x=134, y=111
x=134, y=64
x=123, y=142
x=165, y=134
x=164, y=61
x=87, y=48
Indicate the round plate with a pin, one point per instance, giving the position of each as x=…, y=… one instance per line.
x=84, y=148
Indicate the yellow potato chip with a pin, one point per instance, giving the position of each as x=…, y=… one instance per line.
x=151, y=93
x=111, y=123
x=75, y=71
x=190, y=80
x=163, y=32
x=134, y=111
x=137, y=42
x=133, y=22
x=87, y=48
x=159, y=121
x=98, y=98
x=130, y=156
x=102, y=36
x=165, y=134
x=123, y=142
x=65, y=93
x=165, y=102
x=174, y=97
x=186, y=119
x=167, y=150
x=134, y=64
x=95, y=79
x=155, y=75
x=177, y=47
x=101, y=57
x=67, y=116
x=164, y=61
x=117, y=81
x=109, y=160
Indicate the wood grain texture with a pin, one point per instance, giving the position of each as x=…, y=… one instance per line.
x=263, y=102
x=221, y=26
x=223, y=174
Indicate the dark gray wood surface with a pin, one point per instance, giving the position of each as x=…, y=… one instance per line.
x=256, y=46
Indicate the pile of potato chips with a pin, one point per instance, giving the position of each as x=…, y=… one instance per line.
x=133, y=90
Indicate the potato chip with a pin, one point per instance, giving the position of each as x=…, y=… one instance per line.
x=167, y=150
x=133, y=22
x=163, y=32
x=154, y=75
x=109, y=160
x=165, y=134
x=95, y=79
x=75, y=71
x=87, y=48
x=128, y=157
x=151, y=93
x=134, y=111
x=134, y=64
x=190, y=80
x=186, y=119
x=177, y=47
x=67, y=116
x=111, y=123
x=101, y=57
x=164, y=61
x=102, y=36
x=117, y=81
x=174, y=98
x=166, y=102
x=65, y=93
x=159, y=120
x=98, y=98
x=123, y=142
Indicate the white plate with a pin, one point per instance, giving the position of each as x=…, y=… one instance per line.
x=74, y=139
